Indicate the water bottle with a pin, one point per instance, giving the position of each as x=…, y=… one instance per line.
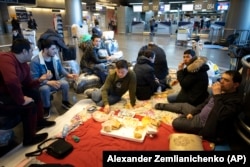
x=65, y=130
x=159, y=89
x=74, y=98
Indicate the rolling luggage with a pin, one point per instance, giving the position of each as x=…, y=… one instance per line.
x=86, y=81
x=70, y=53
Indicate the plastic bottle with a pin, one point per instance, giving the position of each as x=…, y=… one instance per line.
x=159, y=89
x=65, y=130
x=74, y=98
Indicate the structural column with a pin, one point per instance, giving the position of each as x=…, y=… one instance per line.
x=73, y=15
x=238, y=16
x=73, y=12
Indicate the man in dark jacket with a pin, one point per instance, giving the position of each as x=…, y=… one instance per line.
x=93, y=61
x=160, y=64
x=32, y=23
x=193, y=79
x=214, y=118
x=147, y=83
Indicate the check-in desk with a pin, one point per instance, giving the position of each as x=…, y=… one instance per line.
x=138, y=26
x=163, y=27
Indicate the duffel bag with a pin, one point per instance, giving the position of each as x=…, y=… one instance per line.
x=86, y=81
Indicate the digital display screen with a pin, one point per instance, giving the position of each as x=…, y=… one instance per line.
x=187, y=7
x=137, y=8
x=167, y=7
x=222, y=6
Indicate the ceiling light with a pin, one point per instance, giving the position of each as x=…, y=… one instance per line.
x=178, y=2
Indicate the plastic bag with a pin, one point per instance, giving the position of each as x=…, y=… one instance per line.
x=213, y=69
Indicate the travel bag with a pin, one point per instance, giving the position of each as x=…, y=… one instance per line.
x=70, y=53
x=57, y=149
x=86, y=81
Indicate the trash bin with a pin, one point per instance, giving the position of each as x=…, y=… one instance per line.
x=235, y=57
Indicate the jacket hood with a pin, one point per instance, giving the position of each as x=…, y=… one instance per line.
x=143, y=60
x=198, y=64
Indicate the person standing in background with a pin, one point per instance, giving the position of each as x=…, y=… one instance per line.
x=32, y=23
x=152, y=25
x=16, y=35
x=16, y=25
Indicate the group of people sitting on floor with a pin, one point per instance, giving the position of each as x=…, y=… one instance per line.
x=25, y=89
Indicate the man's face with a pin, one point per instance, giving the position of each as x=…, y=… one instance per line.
x=97, y=42
x=15, y=32
x=186, y=58
x=28, y=54
x=227, y=84
x=52, y=51
x=121, y=72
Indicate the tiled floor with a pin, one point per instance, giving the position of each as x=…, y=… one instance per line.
x=130, y=45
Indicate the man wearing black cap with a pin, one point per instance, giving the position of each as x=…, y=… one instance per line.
x=193, y=79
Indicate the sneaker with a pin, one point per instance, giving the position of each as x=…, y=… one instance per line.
x=38, y=138
x=46, y=113
x=88, y=92
x=160, y=106
x=44, y=124
x=66, y=105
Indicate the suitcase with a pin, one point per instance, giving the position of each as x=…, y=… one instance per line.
x=70, y=53
x=86, y=81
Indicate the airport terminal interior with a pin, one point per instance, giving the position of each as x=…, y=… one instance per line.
x=178, y=29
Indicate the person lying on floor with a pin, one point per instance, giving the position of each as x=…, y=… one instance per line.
x=214, y=118
x=193, y=79
x=116, y=85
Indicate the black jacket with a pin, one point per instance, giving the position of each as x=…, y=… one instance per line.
x=194, y=82
x=91, y=56
x=32, y=24
x=52, y=35
x=145, y=76
x=160, y=64
x=221, y=118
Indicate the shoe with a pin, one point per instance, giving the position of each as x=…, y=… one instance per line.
x=88, y=92
x=38, y=138
x=160, y=106
x=66, y=105
x=44, y=123
x=46, y=113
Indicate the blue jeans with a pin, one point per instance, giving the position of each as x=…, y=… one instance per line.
x=97, y=98
x=45, y=91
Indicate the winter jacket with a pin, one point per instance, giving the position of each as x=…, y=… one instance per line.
x=91, y=56
x=54, y=36
x=220, y=120
x=145, y=76
x=160, y=64
x=194, y=82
